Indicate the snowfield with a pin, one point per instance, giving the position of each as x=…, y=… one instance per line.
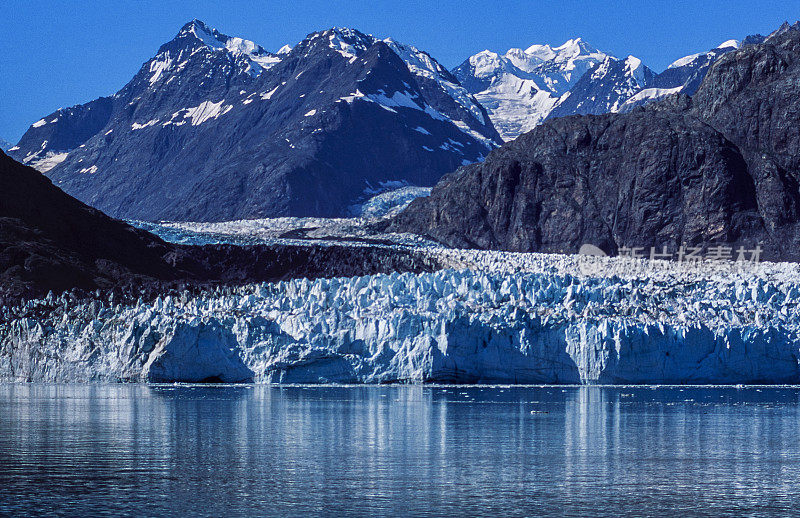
x=488, y=317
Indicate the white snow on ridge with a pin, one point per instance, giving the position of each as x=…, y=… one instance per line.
x=259, y=59
x=647, y=95
x=39, y=123
x=688, y=60
x=729, y=43
x=421, y=64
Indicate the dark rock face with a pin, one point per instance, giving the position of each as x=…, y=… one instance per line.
x=215, y=128
x=721, y=167
x=49, y=241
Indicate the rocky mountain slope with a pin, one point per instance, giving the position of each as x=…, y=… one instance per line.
x=49, y=241
x=721, y=167
x=233, y=131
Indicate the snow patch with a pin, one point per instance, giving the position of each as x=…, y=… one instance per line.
x=648, y=95
x=46, y=162
x=206, y=111
x=267, y=96
x=136, y=126
x=159, y=66
x=730, y=44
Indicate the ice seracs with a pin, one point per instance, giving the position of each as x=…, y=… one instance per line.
x=493, y=317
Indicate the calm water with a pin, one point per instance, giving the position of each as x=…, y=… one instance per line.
x=398, y=450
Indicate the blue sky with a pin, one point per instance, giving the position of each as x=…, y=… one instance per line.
x=59, y=53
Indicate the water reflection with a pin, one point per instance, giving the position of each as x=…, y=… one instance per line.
x=135, y=449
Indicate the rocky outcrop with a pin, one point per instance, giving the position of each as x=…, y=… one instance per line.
x=722, y=167
x=50, y=241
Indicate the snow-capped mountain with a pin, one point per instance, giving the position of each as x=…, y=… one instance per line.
x=605, y=87
x=521, y=87
x=215, y=127
x=684, y=75
x=687, y=72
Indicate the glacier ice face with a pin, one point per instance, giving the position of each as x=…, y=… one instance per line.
x=494, y=317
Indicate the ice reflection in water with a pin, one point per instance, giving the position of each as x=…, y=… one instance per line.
x=135, y=449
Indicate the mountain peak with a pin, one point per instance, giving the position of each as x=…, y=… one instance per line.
x=785, y=27
x=196, y=24
x=196, y=34
x=570, y=49
x=633, y=63
x=520, y=87
x=729, y=44
x=571, y=43
x=199, y=30
x=346, y=41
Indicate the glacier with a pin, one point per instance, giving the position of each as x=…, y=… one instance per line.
x=487, y=317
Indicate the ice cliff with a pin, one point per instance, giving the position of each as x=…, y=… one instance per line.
x=495, y=317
